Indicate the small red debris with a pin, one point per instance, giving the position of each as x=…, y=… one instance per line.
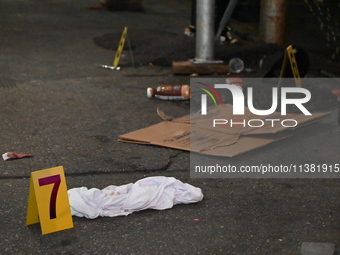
x=13, y=155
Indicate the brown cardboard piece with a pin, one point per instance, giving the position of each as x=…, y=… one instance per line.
x=196, y=132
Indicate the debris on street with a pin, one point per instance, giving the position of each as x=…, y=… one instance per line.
x=196, y=135
x=163, y=115
x=14, y=155
x=170, y=92
x=109, y=67
x=236, y=65
x=158, y=192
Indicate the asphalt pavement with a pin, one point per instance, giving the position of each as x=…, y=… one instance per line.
x=59, y=105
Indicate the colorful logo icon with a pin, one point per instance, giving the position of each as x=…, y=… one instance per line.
x=210, y=89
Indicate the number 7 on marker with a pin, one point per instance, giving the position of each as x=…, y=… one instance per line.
x=54, y=179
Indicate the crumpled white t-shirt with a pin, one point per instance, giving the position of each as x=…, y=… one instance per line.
x=157, y=192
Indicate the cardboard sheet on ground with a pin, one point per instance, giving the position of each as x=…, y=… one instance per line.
x=196, y=132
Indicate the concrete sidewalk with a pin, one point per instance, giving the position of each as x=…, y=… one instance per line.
x=58, y=105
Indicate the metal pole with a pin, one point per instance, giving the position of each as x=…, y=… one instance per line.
x=226, y=17
x=272, y=21
x=205, y=30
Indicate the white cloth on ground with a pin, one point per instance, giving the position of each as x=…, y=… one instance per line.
x=157, y=192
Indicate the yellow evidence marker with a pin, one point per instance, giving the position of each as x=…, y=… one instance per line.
x=289, y=54
x=48, y=201
x=120, y=48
